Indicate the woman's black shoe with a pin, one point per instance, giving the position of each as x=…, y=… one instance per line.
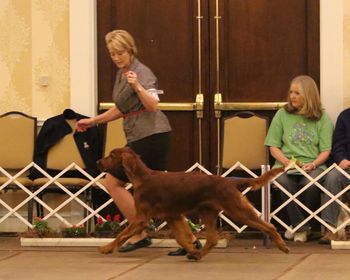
x=183, y=252
x=139, y=244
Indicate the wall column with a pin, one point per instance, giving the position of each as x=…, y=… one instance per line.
x=332, y=56
x=83, y=63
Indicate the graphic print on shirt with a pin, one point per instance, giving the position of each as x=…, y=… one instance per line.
x=300, y=136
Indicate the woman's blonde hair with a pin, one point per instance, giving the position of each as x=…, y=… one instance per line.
x=121, y=40
x=312, y=107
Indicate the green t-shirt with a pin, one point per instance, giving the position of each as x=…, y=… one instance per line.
x=300, y=137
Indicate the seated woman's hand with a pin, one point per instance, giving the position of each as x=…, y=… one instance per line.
x=344, y=164
x=309, y=166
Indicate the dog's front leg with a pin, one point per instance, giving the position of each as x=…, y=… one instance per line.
x=208, y=217
x=183, y=236
x=135, y=227
x=117, y=242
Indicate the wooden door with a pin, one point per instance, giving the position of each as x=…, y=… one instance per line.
x=212, y=58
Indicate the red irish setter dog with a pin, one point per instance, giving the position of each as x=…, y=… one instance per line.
x=172, y=195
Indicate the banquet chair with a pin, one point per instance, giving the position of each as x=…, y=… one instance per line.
x=17, y=142
x=243, y=140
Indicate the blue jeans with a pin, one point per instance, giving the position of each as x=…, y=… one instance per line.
x=309, y=197
x=334, y=183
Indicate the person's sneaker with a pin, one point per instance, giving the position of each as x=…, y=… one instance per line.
x=300, y=236
x=288, y=234
x=327, y=237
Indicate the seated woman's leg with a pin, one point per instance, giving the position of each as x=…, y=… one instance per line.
x=289, y=182
x=311, y=196
x=334, y=183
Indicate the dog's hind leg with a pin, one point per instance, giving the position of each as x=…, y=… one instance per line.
x=245, y=214
x=270, y=230
x=136, y=227
x=183, y=235
x=208, y=217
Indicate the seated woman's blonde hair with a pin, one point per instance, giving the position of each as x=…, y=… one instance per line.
x=312, y=107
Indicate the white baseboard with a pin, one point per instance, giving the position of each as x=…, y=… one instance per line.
x=94, y=242
x=340, y=245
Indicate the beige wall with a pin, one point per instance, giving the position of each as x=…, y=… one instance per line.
x=36, y=40
x=346, y=7
x=34, y=36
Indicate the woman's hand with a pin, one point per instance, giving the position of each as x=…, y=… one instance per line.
x=149, y=102
x=109, y=115
x=133, y=80
x=83, y=124
x=344, y=164
x=309, y=166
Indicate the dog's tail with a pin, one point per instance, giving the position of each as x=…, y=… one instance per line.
x=258, y=183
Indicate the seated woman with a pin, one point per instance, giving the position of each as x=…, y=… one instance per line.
x=300, y=130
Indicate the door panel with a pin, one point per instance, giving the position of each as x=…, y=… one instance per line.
x=241, y=52
x=263, y=44
x=166, y=34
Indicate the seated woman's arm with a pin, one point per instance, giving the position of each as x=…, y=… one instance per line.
x=279, y=156
x=321, y=159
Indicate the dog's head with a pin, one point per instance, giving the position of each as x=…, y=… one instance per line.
x=118, y=158
x=111, y=162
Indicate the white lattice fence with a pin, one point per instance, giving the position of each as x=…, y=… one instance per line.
x=34, y=194
x=316, y=213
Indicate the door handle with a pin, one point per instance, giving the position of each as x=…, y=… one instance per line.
x=197, y=106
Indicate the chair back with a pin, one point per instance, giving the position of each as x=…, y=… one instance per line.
x=243, y=140
x=115, y=136
x=65, y=152
x=17, y=141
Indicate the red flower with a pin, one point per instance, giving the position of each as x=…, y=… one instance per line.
x=116, y=218
x=108, y=218
x=99, y=221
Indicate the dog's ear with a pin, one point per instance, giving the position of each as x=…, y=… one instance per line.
x=125, y=149
x=128, y=150
x=128, y=161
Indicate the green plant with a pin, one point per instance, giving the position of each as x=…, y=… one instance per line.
x=74, y=231
x=152, y=225
x=194, y=227
x=109, y=224
x=41, y=227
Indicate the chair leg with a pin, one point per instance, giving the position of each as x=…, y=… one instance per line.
x=30, y=209
x=87, y=200
x=39, y=207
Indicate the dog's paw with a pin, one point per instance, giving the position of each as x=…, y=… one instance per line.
x=105, y=249
x=194, y=256
x=285, y=249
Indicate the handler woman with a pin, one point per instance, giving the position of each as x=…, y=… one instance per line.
x=147, y=129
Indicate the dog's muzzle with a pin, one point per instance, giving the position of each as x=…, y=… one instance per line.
x=100, y=166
